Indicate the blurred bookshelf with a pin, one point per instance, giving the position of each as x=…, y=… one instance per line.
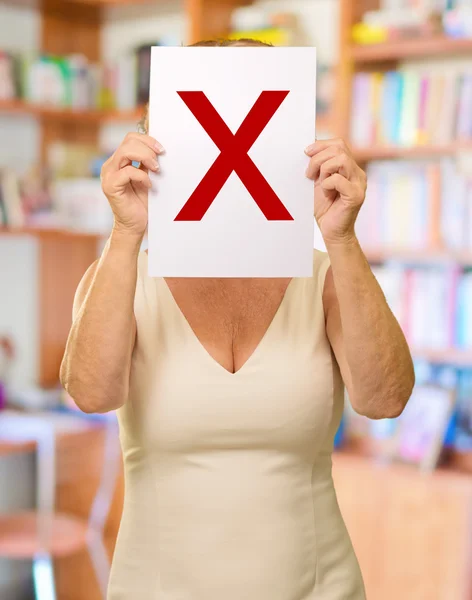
x=72, y=29
x=409, y=124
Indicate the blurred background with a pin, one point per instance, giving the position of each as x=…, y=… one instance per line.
x=395, y=79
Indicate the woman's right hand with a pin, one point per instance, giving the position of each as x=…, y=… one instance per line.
x=127, y=187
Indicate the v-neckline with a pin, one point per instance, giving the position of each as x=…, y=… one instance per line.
x=252, y=357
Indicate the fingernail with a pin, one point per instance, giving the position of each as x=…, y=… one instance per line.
x=159, y=147
x=155, y=165
x=308, y=149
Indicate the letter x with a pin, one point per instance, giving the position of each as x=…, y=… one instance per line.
x=234, y=156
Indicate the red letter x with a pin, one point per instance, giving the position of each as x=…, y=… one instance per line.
x=234, y=156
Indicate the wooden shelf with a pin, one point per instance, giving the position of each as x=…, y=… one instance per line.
x=452, y=356
x=389, y=152
x=44, y=232
x=429, y=256
x=64, y=114
x=410, y=48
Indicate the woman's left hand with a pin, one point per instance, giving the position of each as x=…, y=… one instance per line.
x=340, y=186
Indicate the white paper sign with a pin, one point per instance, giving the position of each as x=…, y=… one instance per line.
x=232, y=198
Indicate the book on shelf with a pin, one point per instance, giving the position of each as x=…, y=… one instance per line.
x=411, y=108
x=462, y=434
x=11, y=208
x=69, y=160
x=74, y=82
x=276, y=36
x=431, y=304
x=463, y=325
x=457, y=21
x=459, y=434
x=282, y=29
x=417, y=205
x=407, y=19
x=63, y=194
x=8, y=76
x=422, y=428
x=143, y=73
x=443, y=394
x=72, y=204
x=268, y=26
x=80, y=204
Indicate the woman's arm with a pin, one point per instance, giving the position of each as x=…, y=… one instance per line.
x=96, y=366
x=368, y=343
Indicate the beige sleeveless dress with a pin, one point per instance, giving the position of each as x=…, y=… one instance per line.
x=229, y=494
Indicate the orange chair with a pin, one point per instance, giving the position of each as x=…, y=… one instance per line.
x=44, y=534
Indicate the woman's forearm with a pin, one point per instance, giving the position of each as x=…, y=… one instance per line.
x=378, y=357
x=96, y=365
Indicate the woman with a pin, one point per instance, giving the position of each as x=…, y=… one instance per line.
x=229, y=394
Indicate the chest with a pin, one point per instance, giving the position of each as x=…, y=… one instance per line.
x=229, y=317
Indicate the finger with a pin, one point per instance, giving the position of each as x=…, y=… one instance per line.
x=321, y=145
x=340, y=184
x=147, y=140
x=339, y=164
x=314, y=166
x=133, y=150
x=127, y=175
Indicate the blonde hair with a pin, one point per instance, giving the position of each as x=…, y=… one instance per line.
x=224, y=42
x=143, y=125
